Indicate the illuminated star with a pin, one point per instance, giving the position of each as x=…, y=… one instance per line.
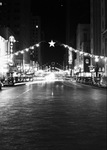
x=52, y=43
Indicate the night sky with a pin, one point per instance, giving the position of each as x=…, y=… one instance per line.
x=53, y=19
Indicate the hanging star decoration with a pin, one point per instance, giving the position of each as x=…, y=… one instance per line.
x=52, y=43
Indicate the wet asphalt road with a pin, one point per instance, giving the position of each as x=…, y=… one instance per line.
x=53, y=116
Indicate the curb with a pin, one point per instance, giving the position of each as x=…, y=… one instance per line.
x=99, y=86
x=16, y=84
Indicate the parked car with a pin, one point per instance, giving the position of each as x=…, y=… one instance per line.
x=9, y=81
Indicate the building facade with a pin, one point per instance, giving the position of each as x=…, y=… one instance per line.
x=35, y=54
x=16, y=16
x=9, y=48
x=82, y=45
x=98, y=36
x=104, y=31
x=68, y=55
x=3, y=57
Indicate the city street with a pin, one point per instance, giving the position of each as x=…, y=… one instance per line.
x=53, y=116
x=53, y=75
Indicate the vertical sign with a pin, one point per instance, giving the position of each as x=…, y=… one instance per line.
x=86, y=64
x=70, y=57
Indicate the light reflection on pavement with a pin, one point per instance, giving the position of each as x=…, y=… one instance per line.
x=53, y=115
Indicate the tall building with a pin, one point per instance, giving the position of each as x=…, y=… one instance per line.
x=10, y=41
x=104, y=27
x=68, y=54
x=104, y=31
x=83, y=37
x=16, y=16
x=95, y=27
x=83, y=45
x=35, y=54
x=3, y=57
x=98, y=35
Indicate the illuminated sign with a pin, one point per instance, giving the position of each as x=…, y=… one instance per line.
x=86, y=64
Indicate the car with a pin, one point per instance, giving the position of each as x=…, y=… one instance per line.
x=9, y=81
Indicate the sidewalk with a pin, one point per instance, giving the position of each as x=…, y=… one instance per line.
x=95, y=84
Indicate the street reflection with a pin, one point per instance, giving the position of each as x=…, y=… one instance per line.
x=50, y=112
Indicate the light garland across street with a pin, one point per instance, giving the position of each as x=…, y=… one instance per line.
x=97, y=57
x=52, y=43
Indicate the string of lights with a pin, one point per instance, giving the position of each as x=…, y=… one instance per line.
x=52, y=44
x=97, y=57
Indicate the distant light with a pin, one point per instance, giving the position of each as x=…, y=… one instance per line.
x=32, y=47
x=37, y=45
x=52, y=93
x=81, y=52
x=101, y=57
x=37, y=26
x=16, y=53
x=70, y=48
x=65, y=46
x=27, y=49
x=76, y=51
x=96, y=59
x=11, y=38
x=22, y=52
x=0, y=3
x=14, y=41
x=75, y=67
